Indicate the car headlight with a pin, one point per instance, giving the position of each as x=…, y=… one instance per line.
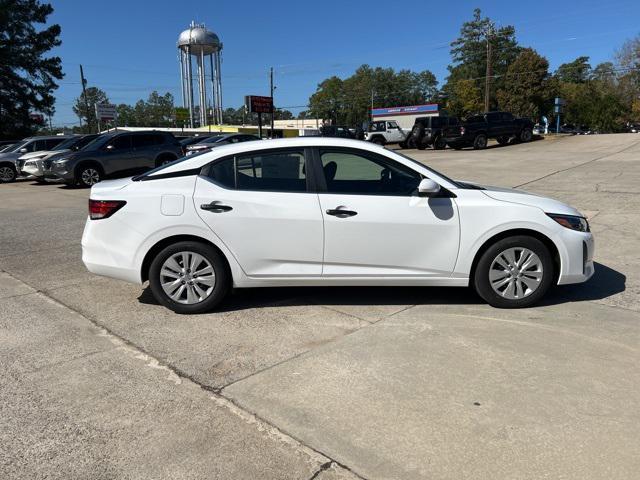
x=572, y=222
x=61, y=161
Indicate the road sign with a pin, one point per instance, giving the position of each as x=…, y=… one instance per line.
x=105, y=112
x=256, y=104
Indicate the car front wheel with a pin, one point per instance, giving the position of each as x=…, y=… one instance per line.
x=514, y=272
x=480, y=142
x=189, y=277
x=88, y=175
x=7, y=174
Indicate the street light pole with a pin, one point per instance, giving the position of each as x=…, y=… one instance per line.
x=272, y=107
x=84, y=96
x=489, y=70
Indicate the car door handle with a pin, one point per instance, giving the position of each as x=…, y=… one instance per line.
x=215, y=207
x=341, y=212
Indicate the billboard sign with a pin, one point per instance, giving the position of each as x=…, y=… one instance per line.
x=431, y=108
x=257, y=104
x=105, y=112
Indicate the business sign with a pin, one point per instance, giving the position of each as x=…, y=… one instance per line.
x=411, y=110
x=256, y=104
x=37, y=118
x=105, y=112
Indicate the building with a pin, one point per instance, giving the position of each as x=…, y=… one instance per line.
x=405, y=116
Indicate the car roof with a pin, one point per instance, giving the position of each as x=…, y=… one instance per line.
x=197, y=161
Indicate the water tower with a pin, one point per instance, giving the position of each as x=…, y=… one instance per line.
x=199, y=43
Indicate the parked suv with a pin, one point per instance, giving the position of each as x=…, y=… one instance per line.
x=114, y=153
x=385, y=131
x=478, y=129
x=32, y=163
x=432, y=131
x=8, y=168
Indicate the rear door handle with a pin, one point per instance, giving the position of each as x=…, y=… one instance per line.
x=215, y=207
x=340, y=212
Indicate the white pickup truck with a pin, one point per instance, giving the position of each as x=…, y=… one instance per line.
x=384, y=132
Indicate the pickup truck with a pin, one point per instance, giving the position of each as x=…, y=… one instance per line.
x=478, y=129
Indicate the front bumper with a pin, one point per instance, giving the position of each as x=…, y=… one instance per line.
x=59, y=172
x=577, y=264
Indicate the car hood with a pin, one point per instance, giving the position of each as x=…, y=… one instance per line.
x=42, y=154
x=512, y=195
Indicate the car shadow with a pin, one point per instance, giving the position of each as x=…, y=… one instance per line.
x=605, y=283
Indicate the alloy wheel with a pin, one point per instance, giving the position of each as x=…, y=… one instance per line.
x=7, y=174
x=187, y=277
x=516, y=273
x=90, y=176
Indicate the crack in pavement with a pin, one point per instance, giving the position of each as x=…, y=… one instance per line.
x=178, y=376
x=579, y=165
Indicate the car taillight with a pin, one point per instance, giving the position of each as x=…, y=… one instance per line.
x=461, y=130
x=99, y=209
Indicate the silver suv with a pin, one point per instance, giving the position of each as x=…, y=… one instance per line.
x=115, y=153
x=8, y=160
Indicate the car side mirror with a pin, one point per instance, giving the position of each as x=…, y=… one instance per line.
x=428, y=188
x=23, y=150
x=110, y=147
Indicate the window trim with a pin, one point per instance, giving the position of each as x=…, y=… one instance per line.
x=308, y=165
x=322, y=184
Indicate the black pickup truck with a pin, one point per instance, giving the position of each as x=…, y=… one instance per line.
x=478, y=129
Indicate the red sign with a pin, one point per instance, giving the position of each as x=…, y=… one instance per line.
x=37, y=118
x=256, y=104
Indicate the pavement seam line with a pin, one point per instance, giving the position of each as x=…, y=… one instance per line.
x=215, y=393
x=323, y=467
x=578, y=166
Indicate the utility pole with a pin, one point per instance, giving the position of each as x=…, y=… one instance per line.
x=272, y=107
x=489, y=71
x=84, y=96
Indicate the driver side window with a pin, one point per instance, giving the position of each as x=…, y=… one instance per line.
x=361, y=173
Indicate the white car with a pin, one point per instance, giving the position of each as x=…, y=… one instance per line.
x=326, y=211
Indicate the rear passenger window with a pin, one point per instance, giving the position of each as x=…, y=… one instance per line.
x=141, y=141
x=282, y=171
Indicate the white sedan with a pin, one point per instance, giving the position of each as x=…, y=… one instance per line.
x=326, y=211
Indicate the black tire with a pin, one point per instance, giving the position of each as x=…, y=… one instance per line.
x=439, y=143
x=403, y=144
x=88, y=174
x=480, y=142
x=8, y=173
x=503, y=140
x=481, y=281
x=378, y=140
x=220, y=269
x=164, y=159
x=411, y=142
x=525, y=135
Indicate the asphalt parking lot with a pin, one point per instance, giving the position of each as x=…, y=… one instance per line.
x=98, y=381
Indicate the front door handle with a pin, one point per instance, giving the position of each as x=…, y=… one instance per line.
x=215, y=207
x=340, y=212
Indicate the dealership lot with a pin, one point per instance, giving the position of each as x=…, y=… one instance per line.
x=100, y=382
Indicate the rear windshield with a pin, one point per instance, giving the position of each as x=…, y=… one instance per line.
x=476, y=119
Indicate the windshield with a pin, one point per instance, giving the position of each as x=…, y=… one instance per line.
x=162, y=167
x=68, y=143
x=98, y=142
x=452, y=182
x=18, y=146
x=213, y=139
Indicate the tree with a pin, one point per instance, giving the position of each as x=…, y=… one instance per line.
x=526, y=91
x=349, y=101
x=84, y=107
x=27, y=76
x=628, y=65
x=466, y=98
x=469, y=58
x=577, y=71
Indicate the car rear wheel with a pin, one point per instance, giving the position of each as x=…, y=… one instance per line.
x=88, y=175
x=164, y=159
x=526, y=135
x=514, y=272
x=439, y=144
x=480, y=142
x=189, y=277
x=378, y=140
x=7, y=174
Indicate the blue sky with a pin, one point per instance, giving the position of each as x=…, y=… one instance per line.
x=128, y=48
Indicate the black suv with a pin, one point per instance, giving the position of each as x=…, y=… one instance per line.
x=432, y=131
x=502, y=126
x=115, y=153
